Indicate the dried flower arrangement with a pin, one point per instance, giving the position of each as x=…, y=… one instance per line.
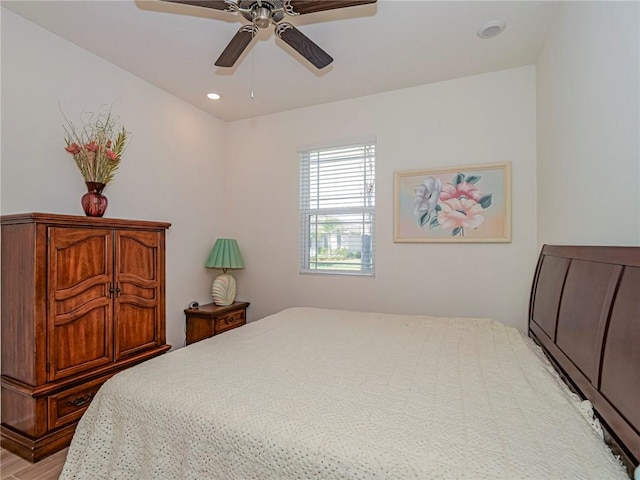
x=97, y=147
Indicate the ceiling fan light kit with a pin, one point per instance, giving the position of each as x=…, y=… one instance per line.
x=264, y=13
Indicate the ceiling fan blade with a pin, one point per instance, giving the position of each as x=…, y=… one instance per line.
x=310, y=6
x=303, y=45
x=236, y=46
x=215, y=4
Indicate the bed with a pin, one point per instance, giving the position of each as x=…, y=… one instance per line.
x=327, y=394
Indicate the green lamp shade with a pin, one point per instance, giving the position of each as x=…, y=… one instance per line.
x=225, y=254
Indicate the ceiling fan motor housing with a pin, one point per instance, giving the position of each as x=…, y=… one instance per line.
x=261, y=17
x=262, y=13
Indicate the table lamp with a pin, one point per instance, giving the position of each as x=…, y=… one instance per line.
x=225, y=254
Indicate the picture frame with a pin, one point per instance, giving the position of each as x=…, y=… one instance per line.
x=469, y=203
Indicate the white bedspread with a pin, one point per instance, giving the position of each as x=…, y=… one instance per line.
x=323, y=394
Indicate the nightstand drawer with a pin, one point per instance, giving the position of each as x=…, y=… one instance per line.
x=229, y=321
x=209, y=320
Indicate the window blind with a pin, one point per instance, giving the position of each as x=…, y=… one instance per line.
x=337, y=207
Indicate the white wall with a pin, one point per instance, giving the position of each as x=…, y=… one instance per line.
x=185, y=167
x=588, y=106
x=481, y=119
x=171, y=171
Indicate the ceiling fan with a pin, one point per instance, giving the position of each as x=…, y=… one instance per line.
x=263, y=13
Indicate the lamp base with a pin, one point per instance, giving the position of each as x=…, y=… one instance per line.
x=224, y=289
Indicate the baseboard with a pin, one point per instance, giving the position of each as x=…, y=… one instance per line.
x=35, y=450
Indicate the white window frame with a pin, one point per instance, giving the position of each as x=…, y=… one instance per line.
x=310, y=213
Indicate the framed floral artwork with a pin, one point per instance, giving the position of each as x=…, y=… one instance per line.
x=453, y=204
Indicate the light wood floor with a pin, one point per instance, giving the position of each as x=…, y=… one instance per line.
x=12, y=467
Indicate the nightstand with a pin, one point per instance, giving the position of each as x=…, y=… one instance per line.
x=209, y=320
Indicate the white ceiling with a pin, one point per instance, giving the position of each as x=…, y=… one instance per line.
x=389, y=45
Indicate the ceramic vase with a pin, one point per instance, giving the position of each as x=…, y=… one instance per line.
x=94, y=202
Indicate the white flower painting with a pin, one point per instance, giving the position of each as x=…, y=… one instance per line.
x=469, y=203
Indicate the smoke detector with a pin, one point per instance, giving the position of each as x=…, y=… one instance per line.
x=491, y=29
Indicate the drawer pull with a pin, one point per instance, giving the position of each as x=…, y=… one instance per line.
x=80, y=401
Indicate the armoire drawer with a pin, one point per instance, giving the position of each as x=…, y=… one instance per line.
x=68, y=406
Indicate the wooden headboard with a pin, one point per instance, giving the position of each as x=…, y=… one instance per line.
x=585, y=313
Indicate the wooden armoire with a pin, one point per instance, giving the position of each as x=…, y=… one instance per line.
x=82, y=299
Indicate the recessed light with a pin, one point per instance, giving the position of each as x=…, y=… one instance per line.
x=213, y=96
x=491, y=29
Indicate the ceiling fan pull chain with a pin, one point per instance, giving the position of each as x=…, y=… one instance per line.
x=253, y=34
x=252, y=70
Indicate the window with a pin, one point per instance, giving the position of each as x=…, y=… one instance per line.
x=337, y=206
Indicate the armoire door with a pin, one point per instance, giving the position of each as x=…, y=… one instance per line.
x=80, y=304
x=139, y=274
